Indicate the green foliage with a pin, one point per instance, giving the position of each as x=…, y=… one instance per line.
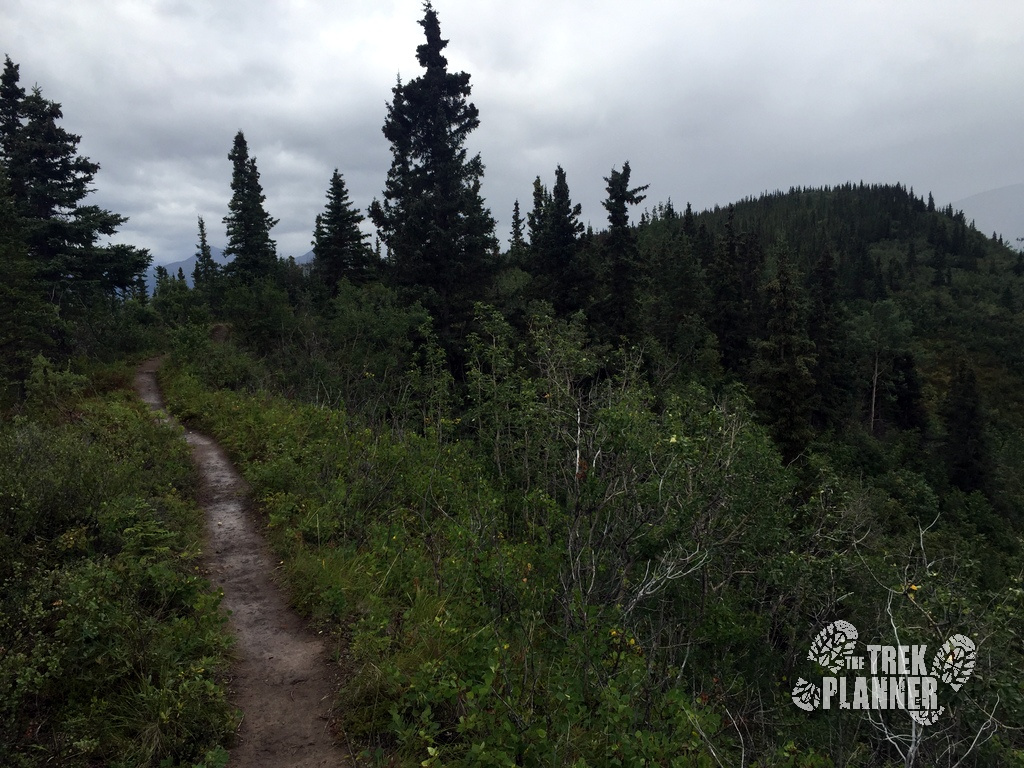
x=734, y=275
x=784, y=360
x=206, y=275
x=474, y=632
x=223, y=366
x=27, y=321
x=551, y=533
x=339, y=245
x=592, y=572
x=538, y=549
x=554, y=260
x=49, y=181
x=248, y=224
x=261, y=313
x=879, y=334
x=439, y=234
x=176, y=304
x=621, y=272
x=51, y=391
x=966, y=448
x=113, y=650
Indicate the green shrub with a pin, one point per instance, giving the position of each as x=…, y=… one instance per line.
x=113, y=648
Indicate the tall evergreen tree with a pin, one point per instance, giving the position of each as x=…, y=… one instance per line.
x=826, y=327
x=248, y=224
x=438, y=232
x=12, y=95
x=339, y=245
x=517, y=240
x=784, y=384
x=555, y=230
x=673, y=304
x=49, y=181
x=907, y=410
x=26, y=320
x=733, y=275
x=965, y=447
x=621, y=269
x=206, y=271
x=689, y=226
x=537, y=216
x=163, y=279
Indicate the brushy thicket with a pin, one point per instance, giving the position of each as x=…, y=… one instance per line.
x=573, y=570
x=112, y=648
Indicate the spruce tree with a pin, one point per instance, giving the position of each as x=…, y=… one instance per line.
x=907, y=410
x=673, y=304
x=784, y=359
x=206, y=271
x=207, y=274
x=555, y=231
x=965, y=447
x=339, y=245
x=622, y=271
x=248, y=224
x=438, y=232
x=12, y=95
x=827, y=331
x=536, y=218
x=49, y=181
x=26, y=319
x=163, y=279
x=732, y=273
x=517, y=240
x=689, y=226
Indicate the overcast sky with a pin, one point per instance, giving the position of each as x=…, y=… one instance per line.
x=708, y=101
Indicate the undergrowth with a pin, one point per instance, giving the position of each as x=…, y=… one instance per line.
x=466, y=639
x=112, y=648
x=571, y=571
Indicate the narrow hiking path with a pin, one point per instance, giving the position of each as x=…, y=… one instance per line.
x=282, y=680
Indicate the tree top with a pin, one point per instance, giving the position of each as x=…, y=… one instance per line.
x=429, y=54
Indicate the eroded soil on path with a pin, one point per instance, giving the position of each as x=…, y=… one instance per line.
x=283, y=682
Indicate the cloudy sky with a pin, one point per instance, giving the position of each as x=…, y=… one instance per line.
x=709, y=101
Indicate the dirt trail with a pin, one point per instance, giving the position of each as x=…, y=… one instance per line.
x=282, y=681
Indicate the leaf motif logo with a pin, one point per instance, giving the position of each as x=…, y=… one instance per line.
x=954, y=661
x=833, y=645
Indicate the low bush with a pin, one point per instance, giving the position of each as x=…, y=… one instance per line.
x=112, y=647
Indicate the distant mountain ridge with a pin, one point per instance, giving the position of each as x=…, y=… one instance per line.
x=997, y=210
x=189, y=264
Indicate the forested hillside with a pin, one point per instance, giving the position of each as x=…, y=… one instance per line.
x=586, y=500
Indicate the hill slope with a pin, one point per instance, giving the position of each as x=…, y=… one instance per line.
x=997, y=210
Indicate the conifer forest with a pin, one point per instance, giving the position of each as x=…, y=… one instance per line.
x=559, y=496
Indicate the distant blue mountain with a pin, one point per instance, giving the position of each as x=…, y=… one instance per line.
x=998, y=210
x=189, y=264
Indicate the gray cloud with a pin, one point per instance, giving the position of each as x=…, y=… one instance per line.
x=709, y=102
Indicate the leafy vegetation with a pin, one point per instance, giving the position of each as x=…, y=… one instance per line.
x=585, y=502
x=112, y=649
